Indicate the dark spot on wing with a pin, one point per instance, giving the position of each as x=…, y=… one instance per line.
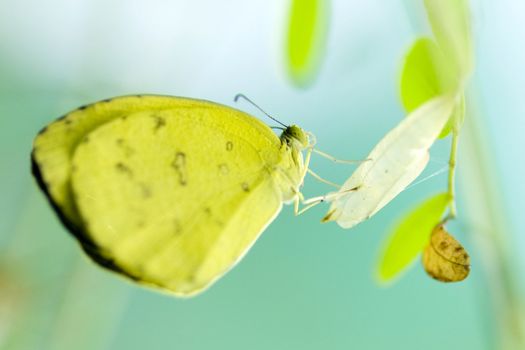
x=245, y=187
x=159, y=121
x=68, y=121
x=81, y=108
x=229, y=146
x=458, y=249
x=107, y=100
x=124, y=169
x=443, y=245
x=179, y=164
x=128, y=151
x=62, y=117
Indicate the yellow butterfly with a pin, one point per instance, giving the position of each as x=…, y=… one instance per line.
x=168, y=191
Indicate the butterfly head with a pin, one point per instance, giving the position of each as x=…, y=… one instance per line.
x=295, y=136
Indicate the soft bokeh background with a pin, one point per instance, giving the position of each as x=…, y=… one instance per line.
x=304, y=285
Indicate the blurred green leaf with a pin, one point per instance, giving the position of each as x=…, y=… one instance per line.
x=426, y=74
x=410, y=236
x=450, y=21
x=306, y=39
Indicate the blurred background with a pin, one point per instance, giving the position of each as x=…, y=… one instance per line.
x=304, y=285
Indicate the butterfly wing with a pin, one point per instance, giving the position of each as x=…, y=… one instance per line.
x=54, y=146
x=174, y=198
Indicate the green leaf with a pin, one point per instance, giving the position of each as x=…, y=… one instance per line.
x=410, y=236
x=450, y=21
x=306, y=39
x=426, y=74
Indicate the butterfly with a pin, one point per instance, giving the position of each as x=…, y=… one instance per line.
x=171, y=192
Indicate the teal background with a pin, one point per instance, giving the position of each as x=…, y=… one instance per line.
x=304, y=285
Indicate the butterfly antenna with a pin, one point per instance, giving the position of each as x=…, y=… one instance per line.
x=238, y=96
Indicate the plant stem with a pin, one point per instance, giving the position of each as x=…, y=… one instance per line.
x=452, y=175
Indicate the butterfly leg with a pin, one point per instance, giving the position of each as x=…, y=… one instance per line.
x=299, y=198
x=307, y=169
x=312, y=202
x=307, y=159
x=309, y=206
x=319, y=178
